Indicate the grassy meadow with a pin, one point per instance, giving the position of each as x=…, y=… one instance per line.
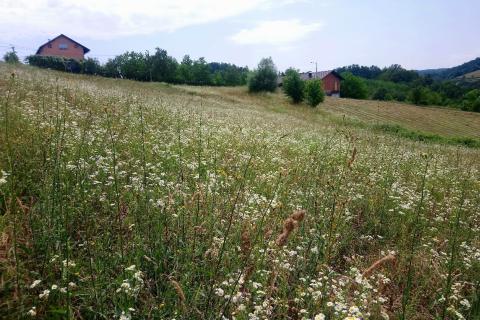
x=128, y=200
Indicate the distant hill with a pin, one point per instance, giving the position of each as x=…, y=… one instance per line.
x=475, y=75
x=454, y=72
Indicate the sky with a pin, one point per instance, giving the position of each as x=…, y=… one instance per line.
x=418, y=34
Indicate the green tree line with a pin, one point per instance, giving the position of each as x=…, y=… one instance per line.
x=398, y=84
x=145, y=66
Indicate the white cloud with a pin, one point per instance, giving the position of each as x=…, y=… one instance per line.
x=277, y=32
x=113, y=18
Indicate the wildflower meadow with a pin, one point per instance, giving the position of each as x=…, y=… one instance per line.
x=127, y=200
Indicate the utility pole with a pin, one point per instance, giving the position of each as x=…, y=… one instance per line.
x=316, y=68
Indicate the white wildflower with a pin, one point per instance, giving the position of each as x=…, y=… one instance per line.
x=35, y=283
x=44, y=294
x=320, y=316
x=465, y=303
x=131, y=268
x=125, y=316
x=32, y=312
x=219, y=292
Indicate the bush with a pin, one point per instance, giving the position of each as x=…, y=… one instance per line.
x=382, y=94
x=264, y=78
x=55, y=63
x=11, y=57
x=294, y=86
x=353, y=87
x=91, y=66
x=471, y=101
x=314, y=92
x=418, y=96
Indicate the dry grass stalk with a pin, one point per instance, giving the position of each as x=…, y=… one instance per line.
x=289, y=225
x=122, y=214
x=180, y=293
x=246, y=243
x=352, y=158
x=377, y=264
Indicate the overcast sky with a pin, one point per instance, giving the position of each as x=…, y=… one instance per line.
x=417, y=34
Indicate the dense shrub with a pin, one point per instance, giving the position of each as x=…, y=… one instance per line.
x=396, y=73
x=264, y=78
x=55, y=63
x=353, y=87
x=371, y=72
x=158, y=66
x=91, y=66
x=471, y=101
x=161, y=66
x=382, y=94
x=293, y=85
x=314, y=93
x=11, y=57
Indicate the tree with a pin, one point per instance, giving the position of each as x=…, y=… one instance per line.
x=314, y=92
x=91, y=66
x=162, y=67
x=361, y=71
x=471, y=101
x=11, y=57
x=418, y=96
x=383, y=94
x=293, y=86
x=201, y=72
x=353, y=87
x=396, y=73
x=264, y=78
x=184, y=71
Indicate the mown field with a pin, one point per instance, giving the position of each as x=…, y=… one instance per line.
x=127, y=200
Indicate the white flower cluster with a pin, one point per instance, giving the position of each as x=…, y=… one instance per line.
x=133, y=284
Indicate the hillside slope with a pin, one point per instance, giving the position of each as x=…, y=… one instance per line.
x=453, y=72
x=129, y=200
x=433, y=120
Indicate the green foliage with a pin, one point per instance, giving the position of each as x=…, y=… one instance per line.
x=55, y=63
x=293, y=85
x=184, y=70
x=371, y=72
x=92, y=66
x=396, y=83
x=162, y=67
x=11, y=57
x=396, y=73
x=471, y=101
x=159, y=67
x=228, y=74
x=132, y=65
x=353, y=87
x=264, y=78
x=423, y=96
x=426, y=137
x=382, y=94
x=451, y=73
x=314, y=93
x=201, y=72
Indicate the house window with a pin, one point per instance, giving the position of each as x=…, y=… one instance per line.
x=310, y=75
x=63, y=46
x=49, y=45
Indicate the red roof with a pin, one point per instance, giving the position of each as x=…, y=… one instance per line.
x=319, y=74
x=85, y=49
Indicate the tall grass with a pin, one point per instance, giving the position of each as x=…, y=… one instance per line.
x=147, y=202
